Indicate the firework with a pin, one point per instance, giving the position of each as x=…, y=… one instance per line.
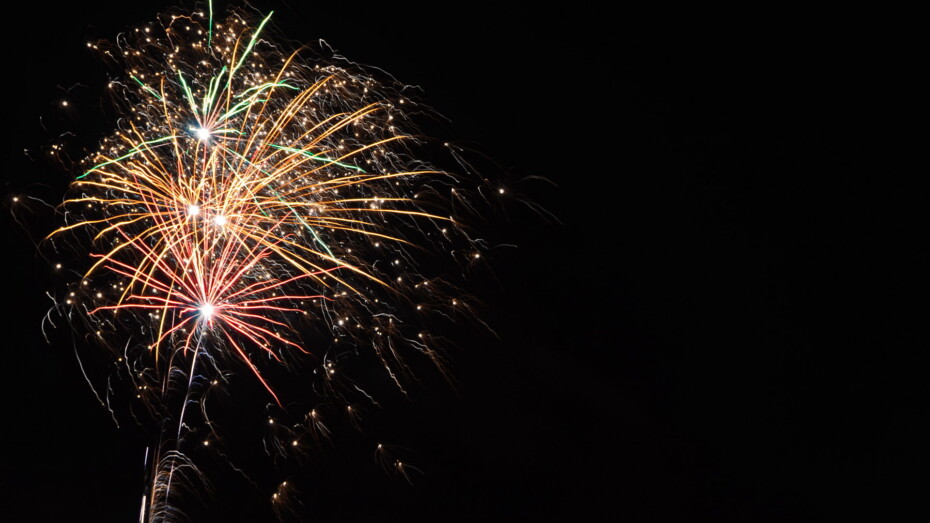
x=254, y=207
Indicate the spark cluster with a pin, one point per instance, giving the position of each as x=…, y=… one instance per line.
x=255, y=208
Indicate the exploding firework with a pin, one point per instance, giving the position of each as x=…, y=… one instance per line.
x=255, y=209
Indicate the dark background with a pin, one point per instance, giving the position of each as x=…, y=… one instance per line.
x=688, y=344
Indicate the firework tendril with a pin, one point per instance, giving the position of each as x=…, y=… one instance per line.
x=254, y=209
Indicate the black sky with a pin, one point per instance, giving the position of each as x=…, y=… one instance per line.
x=681, y=347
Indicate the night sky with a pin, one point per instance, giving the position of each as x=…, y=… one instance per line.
x=678, y=344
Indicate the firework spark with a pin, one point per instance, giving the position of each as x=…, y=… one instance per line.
x=250, y=196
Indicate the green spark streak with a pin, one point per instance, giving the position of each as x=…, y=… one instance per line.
x=251, y=100
x=151, y=91
x=238, y=108
x=137, y=149
x=211, y=92
x=188, y=92
x=249, y=48
x=210, y=27
x=316, y=157
x=269, y=85
x=309, y=227
x=312, y=230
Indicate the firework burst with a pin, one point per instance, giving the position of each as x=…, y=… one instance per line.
x=254, y=207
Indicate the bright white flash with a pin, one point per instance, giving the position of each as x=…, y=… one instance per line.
x=219, y=220
x=193, y=210
x=202, y=134
x=206, y=310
